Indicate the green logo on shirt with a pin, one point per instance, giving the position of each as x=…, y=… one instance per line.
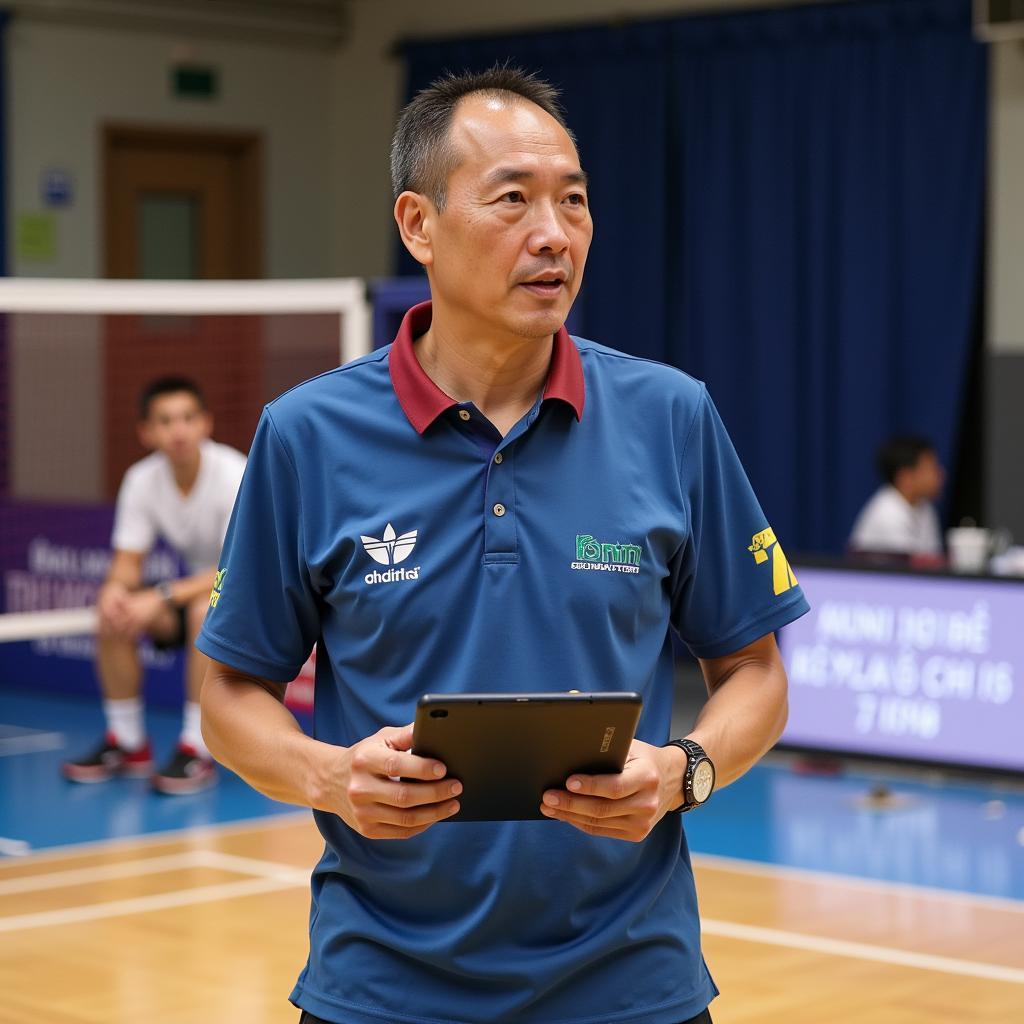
x=603, y=556
x=218, y=586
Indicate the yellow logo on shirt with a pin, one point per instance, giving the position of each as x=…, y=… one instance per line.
x=218, y=586
x=783, y=577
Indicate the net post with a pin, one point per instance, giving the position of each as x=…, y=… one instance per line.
x=355, y=328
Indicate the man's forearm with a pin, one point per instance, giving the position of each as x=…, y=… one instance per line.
x=188, y=588
x=746, y=712
x=248, y=729
x=125, y=570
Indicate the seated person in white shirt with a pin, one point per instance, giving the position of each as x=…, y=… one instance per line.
x=900, y=517
x=183, y=492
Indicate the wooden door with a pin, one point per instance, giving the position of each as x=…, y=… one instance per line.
x=203, y=188
x=181, y=204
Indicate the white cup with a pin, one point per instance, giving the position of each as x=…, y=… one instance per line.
x=969, y=548
x=1010, y=562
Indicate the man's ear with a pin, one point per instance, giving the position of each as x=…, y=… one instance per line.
x=415, y=215
x=145, y=435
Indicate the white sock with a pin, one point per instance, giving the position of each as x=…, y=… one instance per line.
x=125, y=721
x=191, y=733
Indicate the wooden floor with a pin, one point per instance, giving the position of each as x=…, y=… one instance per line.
x=210, y=927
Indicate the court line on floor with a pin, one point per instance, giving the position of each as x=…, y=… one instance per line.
x=184, y=861
x=217, y=859
x=185, y=834
x=100, y=873
x=862, y=951
x=274, y=877
x=32, y=741
x=148, y=904
x=787, y=871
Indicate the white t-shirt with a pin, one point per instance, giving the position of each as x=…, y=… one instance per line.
x=888, y=522
x=150, y=505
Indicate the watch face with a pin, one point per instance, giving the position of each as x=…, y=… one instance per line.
x=703, y=781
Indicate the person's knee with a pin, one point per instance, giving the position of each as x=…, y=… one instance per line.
x=109, y=641
x=195, y=614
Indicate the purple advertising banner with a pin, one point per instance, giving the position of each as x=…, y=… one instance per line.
x=918, y=667
x=56, y=556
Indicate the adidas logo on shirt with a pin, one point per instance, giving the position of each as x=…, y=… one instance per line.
x=389, y=550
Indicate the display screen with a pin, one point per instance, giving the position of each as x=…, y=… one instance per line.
x=919, y=667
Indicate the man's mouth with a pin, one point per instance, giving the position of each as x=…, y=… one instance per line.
x=546, y=286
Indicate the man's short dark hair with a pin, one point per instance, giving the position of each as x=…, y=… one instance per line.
x=901, y=453
x=422, y=153
x=168, y=386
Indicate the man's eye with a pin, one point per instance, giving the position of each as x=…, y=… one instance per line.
x=512, y=197
x=576, y=199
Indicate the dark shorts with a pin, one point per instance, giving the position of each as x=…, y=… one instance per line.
x=177, y=639
x=308, y=1018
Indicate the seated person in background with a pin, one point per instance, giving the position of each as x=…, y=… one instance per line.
x=184, y=493
x=900, y=517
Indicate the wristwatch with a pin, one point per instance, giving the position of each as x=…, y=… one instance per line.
x=699, y=777
x=163, y=588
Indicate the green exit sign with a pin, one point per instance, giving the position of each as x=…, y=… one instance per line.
x=193, y=82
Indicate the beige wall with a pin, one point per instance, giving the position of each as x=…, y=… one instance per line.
x=1004, y=411
x=1006, y=200
x=66, y=81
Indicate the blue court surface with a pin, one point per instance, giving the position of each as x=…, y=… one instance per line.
x=965, y=836
x=40, y=809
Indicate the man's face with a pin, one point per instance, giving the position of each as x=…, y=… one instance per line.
x=507, y=253
x=176, y=425
x=929, y=476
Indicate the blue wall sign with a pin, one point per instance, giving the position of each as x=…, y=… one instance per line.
x=57, y=187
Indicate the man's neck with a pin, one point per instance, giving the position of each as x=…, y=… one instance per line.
x=909, y=496
x=186, y=473
x=500, y=376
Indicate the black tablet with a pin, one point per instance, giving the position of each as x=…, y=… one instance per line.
x=508, y=748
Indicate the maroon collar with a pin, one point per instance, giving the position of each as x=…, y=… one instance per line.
x=423, y=401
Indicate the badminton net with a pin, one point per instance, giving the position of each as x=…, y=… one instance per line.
x=74, y=356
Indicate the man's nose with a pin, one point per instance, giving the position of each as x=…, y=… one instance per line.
x=548, y=233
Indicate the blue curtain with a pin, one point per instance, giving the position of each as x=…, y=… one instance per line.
x=788, y=204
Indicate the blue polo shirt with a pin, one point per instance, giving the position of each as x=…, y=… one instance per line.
x=420, y=551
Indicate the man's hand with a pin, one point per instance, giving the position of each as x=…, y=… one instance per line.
x=625, y=806
x=366, y=790
x=112, y=606
x=128, y=613
x=144, y=607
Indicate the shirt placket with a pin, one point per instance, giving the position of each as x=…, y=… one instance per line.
x=499, y=499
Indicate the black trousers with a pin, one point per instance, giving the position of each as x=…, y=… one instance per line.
x=308, y=1018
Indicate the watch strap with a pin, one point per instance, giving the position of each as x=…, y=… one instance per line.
x=694, y=752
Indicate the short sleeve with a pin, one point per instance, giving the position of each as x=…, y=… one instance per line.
x=264, y=612
x=731, y=582
x=134, y=529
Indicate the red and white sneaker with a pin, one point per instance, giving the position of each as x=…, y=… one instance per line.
x=110, y=759
x=186, y=772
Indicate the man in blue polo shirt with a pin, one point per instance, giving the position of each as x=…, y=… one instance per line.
x=490, y=504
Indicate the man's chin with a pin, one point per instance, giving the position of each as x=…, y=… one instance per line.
x=539, y=324
x=182, y=456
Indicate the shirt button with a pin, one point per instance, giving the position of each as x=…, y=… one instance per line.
x=464, y=415
x=499, y=458
x=499, y=509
